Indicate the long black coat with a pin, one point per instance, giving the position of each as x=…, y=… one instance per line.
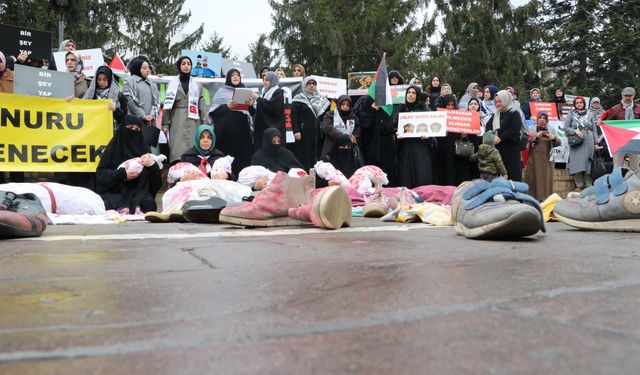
x=415, y=155
x=233, y=135
x=378, y=140
x=509, y=146
x=304, y=121
x=269, y=114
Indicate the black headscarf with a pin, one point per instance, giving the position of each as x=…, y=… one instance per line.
x=395, y=73
x=227, y=82
x=184, y=77
x=274, y=157
x=561, y=99
x=342, y=159
x=446, y=99
x=434, y=90
x=345, y=115
x=135, y=66
x=125, y=144
x=418, y=104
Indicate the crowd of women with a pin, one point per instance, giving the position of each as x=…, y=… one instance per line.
x=349, y=132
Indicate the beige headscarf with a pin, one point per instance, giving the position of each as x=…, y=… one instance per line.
x=507, y=106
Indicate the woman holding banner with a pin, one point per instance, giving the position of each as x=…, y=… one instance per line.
x=143, y=100
x=184, y=109
x=307, y=111
x=232, y=122
x=540, y=164
x=72, y=60
x=104, y=86
x=269, y=108
x=415, y=163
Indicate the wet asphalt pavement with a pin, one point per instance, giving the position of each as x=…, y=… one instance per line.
x=141, y=298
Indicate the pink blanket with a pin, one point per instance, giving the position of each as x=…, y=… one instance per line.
x=428, y=193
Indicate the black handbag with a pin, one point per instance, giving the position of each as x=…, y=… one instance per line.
x=464, y=148
x=574, y=140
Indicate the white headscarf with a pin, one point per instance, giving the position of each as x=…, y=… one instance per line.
x=507, y=106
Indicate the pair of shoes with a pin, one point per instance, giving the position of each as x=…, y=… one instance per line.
x=21, y=215
x=496, y=210
x=203, y=211
x=271, y=206
x=331, y=209
x=376, y=205
x=612, y=204
x=156, y=217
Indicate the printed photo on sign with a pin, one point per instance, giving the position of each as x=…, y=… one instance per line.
x=14, y=40
x=358, y=82
x=462, y=121
x=418, y=124
x=332, y=88
x=245, y=68
x=205, y=64
x=91, y=59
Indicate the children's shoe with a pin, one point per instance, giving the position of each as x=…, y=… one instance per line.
x=331, y=209
x=204, y=211
x=156, y=217
x=496, y=210
x=612, y=204
x=21, y=215
x=376, y=205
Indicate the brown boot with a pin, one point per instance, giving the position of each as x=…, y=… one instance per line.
x=21, y=215
x=331, y=209
x=270, y=207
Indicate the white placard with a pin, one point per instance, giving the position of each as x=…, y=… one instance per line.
x=332, y=88
x=417, y=124
x=91, y=60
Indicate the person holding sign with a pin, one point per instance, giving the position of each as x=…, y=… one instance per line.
x=184, y=110
x=6, y=76
x=506, y=123
x=539, y=172
x=415, y=163
x=307, y=110
x=269, y=108
x=81, y=82
x=143, y=100
x=232, y=122
x=122, y=190
x=104, y=86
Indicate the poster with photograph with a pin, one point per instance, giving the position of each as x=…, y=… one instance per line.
x=418, y=124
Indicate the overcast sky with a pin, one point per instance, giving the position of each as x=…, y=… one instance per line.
x=239, y=22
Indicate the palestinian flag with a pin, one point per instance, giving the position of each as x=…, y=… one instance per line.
x=622, y=135
x=380, y=90
x=117, y=63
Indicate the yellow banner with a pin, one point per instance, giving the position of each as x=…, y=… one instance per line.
x=50, y=135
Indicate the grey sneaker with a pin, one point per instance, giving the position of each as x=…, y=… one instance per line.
x=496, y=210
x=612, y=204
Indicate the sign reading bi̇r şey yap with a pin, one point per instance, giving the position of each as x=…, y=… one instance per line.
x=35, y=43
x=50, y=135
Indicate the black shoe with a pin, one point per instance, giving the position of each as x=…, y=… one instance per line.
x=203, y=211
x=21, y=215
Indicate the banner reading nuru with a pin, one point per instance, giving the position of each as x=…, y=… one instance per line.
x=50, y=135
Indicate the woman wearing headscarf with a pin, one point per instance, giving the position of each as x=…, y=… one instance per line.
x=342, y=156
x=415, y=164
x=488, y=101
x=81, y=82
x=506, y=123
x=342, y=120
x=128, y=192
x=298, y=70
x=444, y=91
x=143, y=100
x=434, y=92
x=395, y=78
x=272, y=155
x=184, y=109
x=378, y=139
x=539, y=172
x=105, y=87
x=204, y=153
x=474, y=106
x=472, y=92
x=559, y=98
x=307, y=110
x=534, y=96
x=233, y=122
x=269, y=108
x=577, y=123
x=516, y=104
x=6, y=76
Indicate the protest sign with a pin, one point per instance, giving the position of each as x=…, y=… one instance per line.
x=92, y=59
x=332, y=88
x=13, y=40
x=461, y=121
x=398, y=93
x=417, y=124
x=548, y=107
x=245, y=68
x=560, y=153
x=358, y=82
x=50, y=135
x=564, y=109
x=41, y=82
x=204, y=64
